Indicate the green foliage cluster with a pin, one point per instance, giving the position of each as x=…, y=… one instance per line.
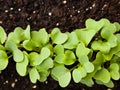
x=87, y=55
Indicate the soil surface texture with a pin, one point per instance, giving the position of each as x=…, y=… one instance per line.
x=65, y=14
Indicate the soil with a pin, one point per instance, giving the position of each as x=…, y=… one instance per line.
x=65, y=14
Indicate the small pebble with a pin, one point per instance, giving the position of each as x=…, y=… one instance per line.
x=50, y=14
x=93, y=5
x=34, y=86
x=46, y=82
x=19, y=9
x=6, y=11
x=78, y=11
x=34, y=11
x=11, y=8
x=57, y=24
x=13, y=85
x=64, y=2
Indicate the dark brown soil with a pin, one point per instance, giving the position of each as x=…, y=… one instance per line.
x=65, y=14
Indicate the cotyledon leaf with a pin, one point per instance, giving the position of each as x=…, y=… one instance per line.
x=34, y=75
x=3, y=35
x=21, y=67
x=102, y=75
x=72, y=41
x=78, y=74
x=3, y=60
x=58, y=37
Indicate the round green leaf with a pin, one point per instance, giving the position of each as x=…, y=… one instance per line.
x=102, y=75
x=34, y=75
x=78, y=74
x=95, y=25
x=72, y=41
x=82, y=50
x=59, y=49
x=85, y=35
x=68, y=58
x=62, y=75
x=21, y=67
x=18, y=55
x=3, y=60
x=47, y=63
x=58, y=37
x=64, y=80
x=114, y=71
x=3, y=35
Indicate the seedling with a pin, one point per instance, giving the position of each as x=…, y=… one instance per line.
x=80, y=55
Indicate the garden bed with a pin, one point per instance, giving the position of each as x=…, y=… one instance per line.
x=65, y=14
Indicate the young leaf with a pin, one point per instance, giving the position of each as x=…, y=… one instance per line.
x=78, y=74
x=47, y=63
x=3, y=60
x=43, y=77
x=36, y=59
x=104, y=47
x=88, y=82
x=117, y=25
x=3, y=35
x=17, y=53
x=72, y=41
x=34, y=75
x=45, y=53
x=27, y=33
x=110, y=84
x=84, y=60
x=64, y=80
x=94, y=25
x=85, y=36
x=114, y=71
x=82, y=50
x=62, y=75
x=41, y=36
x=30, y=45
x=59, y=49
x=102, y=75
x=68, y=58
x=113, y=51
x=21, y=67
x=2, y=47
x=58, y=37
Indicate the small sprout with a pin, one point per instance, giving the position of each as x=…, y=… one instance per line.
x=34, y=75
x=62, y=75
x=80, y=55
x=58, y=37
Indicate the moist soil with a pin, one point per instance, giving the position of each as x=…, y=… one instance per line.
x=65, y=14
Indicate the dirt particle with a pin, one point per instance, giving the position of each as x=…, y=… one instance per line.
x=16, y=80
x=93, y=5
x=34, y=11
x=6, y=11
x=57, y=24
x=46, y=82
x=6, y=81
x=64, y=1
x=50, y=14
x=13, y=85
x=19, y=9
x=34, y=86
x=11, y=8
x=104, y=6
x=78, y=11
